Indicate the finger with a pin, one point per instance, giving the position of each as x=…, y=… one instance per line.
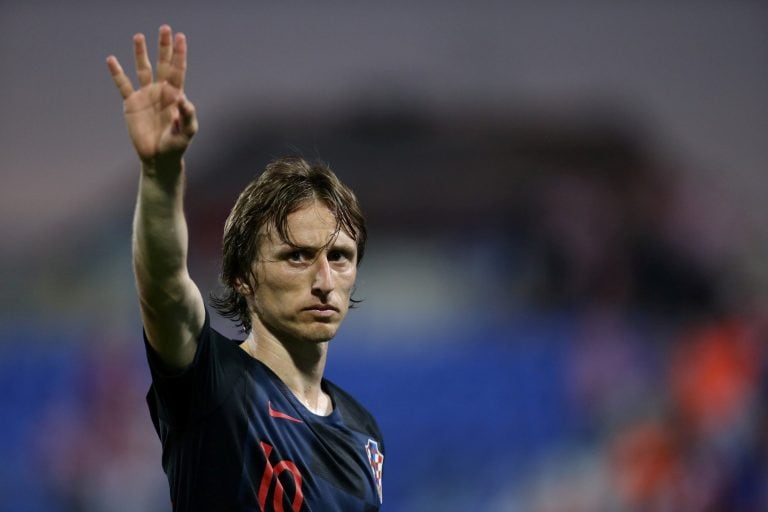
x=164, y=53
x=178, y=69
x=122, y=81
x=143, y=67
x=188, y=116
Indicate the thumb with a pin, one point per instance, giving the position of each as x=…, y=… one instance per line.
x=187, y=116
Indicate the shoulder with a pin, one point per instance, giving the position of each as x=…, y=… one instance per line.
x=210, y=346
x=186, y=394
x=355, y=415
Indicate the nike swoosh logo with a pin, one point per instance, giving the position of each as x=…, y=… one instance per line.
x=281, y=415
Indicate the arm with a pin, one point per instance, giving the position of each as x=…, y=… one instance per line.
x=161, y=123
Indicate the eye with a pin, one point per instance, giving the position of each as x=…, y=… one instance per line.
x=342, y=255
x=296, y=255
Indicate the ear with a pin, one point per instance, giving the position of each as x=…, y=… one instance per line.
x=242, y=287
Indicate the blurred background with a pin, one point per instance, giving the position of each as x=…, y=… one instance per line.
x=566, y=285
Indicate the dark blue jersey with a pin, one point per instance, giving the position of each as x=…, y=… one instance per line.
x=235, y=438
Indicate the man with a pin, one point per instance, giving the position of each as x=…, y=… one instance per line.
x=246, y=425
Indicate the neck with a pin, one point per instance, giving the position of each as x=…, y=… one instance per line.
x=298, y=363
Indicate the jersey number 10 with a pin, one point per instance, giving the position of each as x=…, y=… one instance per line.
x=271, y=473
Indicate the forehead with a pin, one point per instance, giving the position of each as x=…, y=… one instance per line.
x=312, y=225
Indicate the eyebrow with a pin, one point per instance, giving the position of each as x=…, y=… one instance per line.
x=333, y=240
x=347, y=245
x=330, y=246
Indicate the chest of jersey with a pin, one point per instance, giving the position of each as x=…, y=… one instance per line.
x=294, y=460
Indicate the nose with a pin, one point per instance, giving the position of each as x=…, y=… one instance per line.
x=323, y=278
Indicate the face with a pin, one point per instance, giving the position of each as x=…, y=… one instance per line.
x=303, y=290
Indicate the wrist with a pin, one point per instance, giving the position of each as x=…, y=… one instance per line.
x=163, y=166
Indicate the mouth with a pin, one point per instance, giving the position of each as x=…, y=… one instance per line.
x=321, y=307
x=322, y=312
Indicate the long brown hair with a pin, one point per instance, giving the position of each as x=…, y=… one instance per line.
x=285, y=185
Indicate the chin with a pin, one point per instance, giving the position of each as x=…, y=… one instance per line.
x=322, y=337
x=319, y=334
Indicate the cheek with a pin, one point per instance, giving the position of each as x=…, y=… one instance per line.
x=275, y=289
x=346, y=281
x=279, y=279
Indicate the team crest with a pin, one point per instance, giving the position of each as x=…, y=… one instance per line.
x=376, y=461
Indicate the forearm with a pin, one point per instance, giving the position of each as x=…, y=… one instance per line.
x=160, y=237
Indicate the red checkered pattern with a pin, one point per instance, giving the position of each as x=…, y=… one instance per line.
x=376, y=460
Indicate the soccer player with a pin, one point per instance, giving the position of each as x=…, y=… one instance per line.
x=250, y=424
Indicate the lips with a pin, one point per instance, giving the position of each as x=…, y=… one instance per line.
x=322, y=312
x=321, y=307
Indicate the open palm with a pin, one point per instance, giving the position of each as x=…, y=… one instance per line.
x=161, y=121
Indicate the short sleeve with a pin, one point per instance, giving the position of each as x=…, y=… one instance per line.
x=178, y=399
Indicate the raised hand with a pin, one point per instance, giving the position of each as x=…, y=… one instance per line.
x=161, y=120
